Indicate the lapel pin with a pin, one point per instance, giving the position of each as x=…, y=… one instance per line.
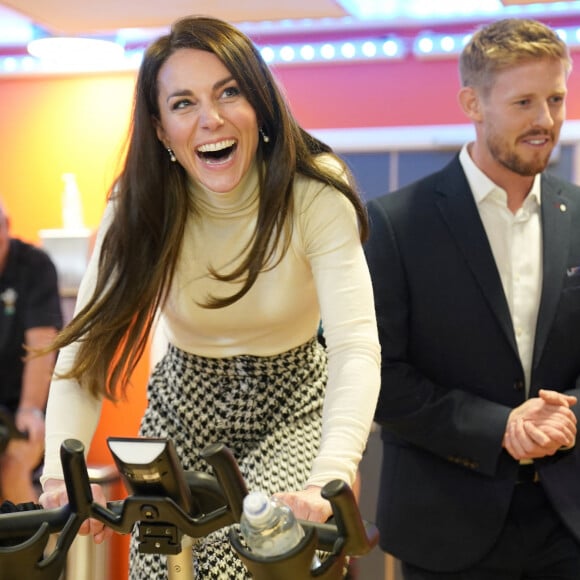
x=563, y=207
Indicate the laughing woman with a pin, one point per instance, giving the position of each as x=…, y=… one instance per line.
x=243, y=232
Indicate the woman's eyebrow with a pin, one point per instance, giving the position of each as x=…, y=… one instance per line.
x=189, y=93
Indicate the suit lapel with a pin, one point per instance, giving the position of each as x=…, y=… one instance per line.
x=458, y=209
x=556, y=236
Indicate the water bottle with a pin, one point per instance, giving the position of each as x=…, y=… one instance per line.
x=269, y=527
x=72, y=213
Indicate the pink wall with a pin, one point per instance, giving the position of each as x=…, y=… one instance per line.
x=409, y=92
x=373, y=94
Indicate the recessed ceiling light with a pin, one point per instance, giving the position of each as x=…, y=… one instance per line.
x=70, y=50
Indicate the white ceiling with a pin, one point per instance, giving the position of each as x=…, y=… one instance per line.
x=18, y=18
x=74, y=17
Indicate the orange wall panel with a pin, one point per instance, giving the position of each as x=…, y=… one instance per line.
x=52, y=126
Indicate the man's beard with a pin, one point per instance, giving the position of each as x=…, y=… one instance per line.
x=512, y=161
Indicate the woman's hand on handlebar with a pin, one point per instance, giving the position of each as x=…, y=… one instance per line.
x=308, y=504
x=54, y=496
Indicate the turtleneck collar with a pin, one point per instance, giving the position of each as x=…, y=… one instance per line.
x=240, y=200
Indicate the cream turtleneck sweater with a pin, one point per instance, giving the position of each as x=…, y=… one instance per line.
x=323, y=276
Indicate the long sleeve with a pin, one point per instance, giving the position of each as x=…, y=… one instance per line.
x=330, y=235
x=71, y=411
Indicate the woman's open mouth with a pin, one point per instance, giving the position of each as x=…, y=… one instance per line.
x=216, y=153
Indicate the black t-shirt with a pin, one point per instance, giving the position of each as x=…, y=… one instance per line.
x=29, y=298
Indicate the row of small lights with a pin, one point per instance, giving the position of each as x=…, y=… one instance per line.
x=425, y=46
x=428, y=45
x=365, y=49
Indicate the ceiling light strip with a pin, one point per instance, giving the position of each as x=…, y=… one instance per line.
x=428, y=45
x=425, y=45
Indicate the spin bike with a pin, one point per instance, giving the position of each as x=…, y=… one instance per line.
x=172, y=508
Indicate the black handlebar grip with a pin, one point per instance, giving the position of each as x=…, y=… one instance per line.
x=76, y=477
x=228, y=475
x=360, y=539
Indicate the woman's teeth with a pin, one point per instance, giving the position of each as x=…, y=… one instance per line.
x=213, y=147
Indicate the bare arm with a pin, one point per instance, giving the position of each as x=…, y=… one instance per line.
x=35, y=383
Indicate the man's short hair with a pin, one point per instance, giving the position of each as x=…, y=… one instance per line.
x=505, y=43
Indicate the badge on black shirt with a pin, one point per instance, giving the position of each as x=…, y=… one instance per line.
x=8, y=297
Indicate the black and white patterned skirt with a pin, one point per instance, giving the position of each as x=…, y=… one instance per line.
x=267, y=410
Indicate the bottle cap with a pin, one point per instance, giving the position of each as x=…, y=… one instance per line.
x=257, y=507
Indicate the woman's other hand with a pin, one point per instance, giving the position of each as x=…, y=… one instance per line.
x=55, y=495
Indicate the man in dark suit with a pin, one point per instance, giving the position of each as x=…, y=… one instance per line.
x=476, y=273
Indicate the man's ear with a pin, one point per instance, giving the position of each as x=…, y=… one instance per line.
x=470, y=102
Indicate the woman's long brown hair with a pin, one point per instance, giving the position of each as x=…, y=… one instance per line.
x=141, y=247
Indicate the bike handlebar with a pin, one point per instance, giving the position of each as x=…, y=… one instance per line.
x=218, y=503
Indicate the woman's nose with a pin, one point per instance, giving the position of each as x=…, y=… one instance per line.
x=211, y=117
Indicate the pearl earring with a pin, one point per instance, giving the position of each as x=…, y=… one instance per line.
x=265, y=137
x=172, y=157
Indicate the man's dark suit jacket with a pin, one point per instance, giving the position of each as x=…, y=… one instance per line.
x=451, y=371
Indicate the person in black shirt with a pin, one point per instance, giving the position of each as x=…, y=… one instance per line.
x=30, y=316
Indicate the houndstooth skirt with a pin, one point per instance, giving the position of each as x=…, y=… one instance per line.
x=267, y=410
